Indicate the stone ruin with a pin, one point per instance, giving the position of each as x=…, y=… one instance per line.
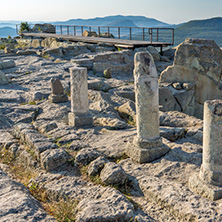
x=45, y=28
x=58, y=95
x=75, y=146
x=194, y=77
x=209, y=181
x=79, y=115
x=147, y=145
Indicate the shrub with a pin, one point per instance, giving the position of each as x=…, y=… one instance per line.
x=24, y=26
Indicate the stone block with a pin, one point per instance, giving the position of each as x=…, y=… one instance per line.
x=84, y=119
x=204, y=189
x=145, y=155
x=62, y=98
x=113, y=174
x=52, y=159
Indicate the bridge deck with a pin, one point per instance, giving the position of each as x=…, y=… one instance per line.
x=116, y=42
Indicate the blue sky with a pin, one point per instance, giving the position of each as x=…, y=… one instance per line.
x=170, y=11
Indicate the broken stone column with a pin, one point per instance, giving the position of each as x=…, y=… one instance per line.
x=209, y=181
x=147, y=145
x=79, y=115
x=58, y=95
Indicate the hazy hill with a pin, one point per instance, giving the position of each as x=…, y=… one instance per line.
x=125, y=23
x=139, y=21
x=6, y=31
x=207, y=29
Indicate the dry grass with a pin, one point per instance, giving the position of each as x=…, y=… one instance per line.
x=63, y=210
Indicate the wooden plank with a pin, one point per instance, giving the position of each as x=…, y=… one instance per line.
x=96, y=40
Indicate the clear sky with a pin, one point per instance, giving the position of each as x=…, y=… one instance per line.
x=170, y=11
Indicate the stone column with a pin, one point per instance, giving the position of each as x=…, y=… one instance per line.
x=79, y=115
x=147, y=145
x=209, y=181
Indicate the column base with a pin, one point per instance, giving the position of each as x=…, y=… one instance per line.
x=84, y=119
x=211, y=177
x=145, y=154
x=58, y=98
x=204, y=189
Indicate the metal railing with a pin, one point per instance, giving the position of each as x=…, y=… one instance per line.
x=153, y=35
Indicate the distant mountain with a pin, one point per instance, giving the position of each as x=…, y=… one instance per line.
x=206, y=29
x=123, y=23
x=6, y=31
x=140, y=21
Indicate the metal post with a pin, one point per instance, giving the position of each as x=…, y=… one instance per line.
x=157, y=35
x=98, y=30
x=118, y=32
x=74, y=30
x=60, y=29
x=151, y=35
x=67, y=30
x=173, y=37
x=143, y=34
x=16, y=28
x=82, y=29
x=90, y=28
x=130, y=33
x=108, y=31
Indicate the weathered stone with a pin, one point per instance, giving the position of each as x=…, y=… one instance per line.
x=52, y=159
x=172, y=133
x=89, y=34
x=59, y=98
x=99, y=85
x=46, y=43
x=185, y=99
x=7, y=50
x=107, y=35
x=17, y=204
x=167, y=101
x=79, y=115
x=86, y=155
x=47, y=127
x=147, y=145
x=211, y=168
x=128, y=109
x=178, y=119
x=198, y=61
x=113, y=174
x=68, y=138
x=6, y=64
x=26, y=52
x=56, y=86
x=77, y=145
x=36, y=43
x=46, y=28
x=177, y=85
x=40, y=147
x=96, y=166
x=110, y=206
x=3, y=78
x=27, y=159
x=155, y=54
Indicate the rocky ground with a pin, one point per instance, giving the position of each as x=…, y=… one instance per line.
x=82, y=174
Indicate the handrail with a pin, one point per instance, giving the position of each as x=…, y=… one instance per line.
x=153, y=32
